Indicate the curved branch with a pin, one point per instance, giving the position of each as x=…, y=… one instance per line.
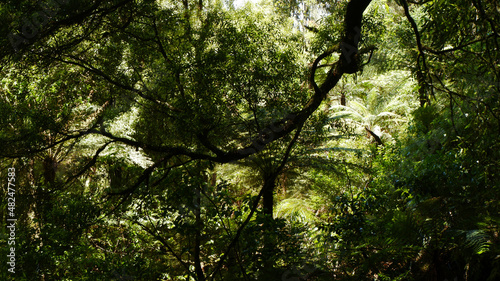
x=424, y=98
x=165, y=243
x=348, y=63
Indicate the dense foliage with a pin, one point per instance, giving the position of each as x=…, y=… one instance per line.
x=284, y=140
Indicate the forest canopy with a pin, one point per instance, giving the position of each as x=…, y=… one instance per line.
x=271, y=140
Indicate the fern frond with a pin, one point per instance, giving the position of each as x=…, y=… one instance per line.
x=294, y=209
x=476, y=240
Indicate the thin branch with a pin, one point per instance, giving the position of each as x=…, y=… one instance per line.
x=166, y=244
x=421, y=55
x=457, y=48
x=238, y=234
x=54, y=144
x=256, y=201
x=90, y=163
x=126, y=193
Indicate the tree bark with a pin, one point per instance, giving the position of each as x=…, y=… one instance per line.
x=378, y=140
x=268, y=195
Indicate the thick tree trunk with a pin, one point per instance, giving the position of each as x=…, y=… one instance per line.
x=268, y=195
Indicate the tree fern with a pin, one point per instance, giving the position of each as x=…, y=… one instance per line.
x=294, y=209
x=476, y=241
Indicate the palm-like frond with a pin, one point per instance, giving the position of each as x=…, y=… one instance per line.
x=294, y=209
x=475, y=240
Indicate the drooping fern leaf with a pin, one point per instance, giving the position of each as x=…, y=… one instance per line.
x=475, y=240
